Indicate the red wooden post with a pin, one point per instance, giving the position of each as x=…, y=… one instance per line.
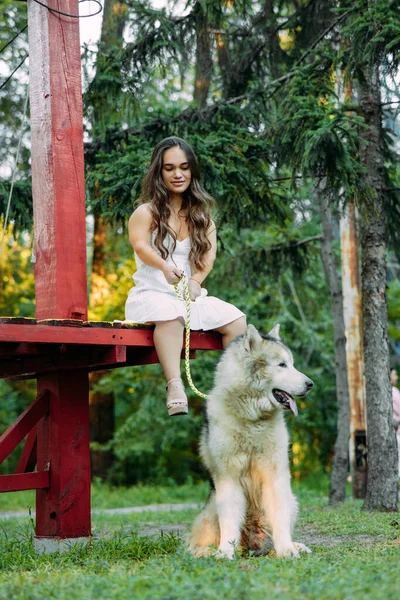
x=63, y=510
x=57, y=162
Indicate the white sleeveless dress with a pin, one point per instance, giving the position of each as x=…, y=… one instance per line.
x=154, y=299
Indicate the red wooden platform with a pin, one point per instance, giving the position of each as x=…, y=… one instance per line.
x=29, y=347
x=60, y=348
x=59, y=354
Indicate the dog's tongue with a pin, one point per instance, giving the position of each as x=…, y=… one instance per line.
x=293, y=406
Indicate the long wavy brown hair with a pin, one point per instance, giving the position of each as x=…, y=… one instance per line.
x=195, y=200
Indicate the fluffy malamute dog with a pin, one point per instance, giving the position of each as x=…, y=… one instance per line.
x=244, y=445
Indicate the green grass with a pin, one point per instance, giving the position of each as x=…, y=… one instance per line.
x=122, y=564
x=104, y=496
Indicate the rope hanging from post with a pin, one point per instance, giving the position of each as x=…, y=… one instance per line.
x=187, y=300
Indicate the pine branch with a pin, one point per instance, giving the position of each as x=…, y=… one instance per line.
x=291, y=245
x=323, y=35
x=188, y=115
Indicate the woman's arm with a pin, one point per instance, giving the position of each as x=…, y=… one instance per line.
x=139, y=228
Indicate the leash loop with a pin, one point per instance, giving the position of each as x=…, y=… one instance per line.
x=186, y=299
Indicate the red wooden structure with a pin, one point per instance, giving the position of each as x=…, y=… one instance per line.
x=60, y=347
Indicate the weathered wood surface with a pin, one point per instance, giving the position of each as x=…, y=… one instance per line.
x=354, y=344
x=29, y=350
x=58, y=189
x=47, y=334
x=28, y=458
x=66, y=357
x=24, y=424
x=63, y=510
x=58, y=186
x=24, y=481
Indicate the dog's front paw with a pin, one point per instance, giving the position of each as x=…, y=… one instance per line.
x=302, y=547
x=287, y=552
x=225, y=552
x=292, y=550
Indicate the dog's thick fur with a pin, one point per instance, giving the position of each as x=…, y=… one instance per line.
x=244, y=446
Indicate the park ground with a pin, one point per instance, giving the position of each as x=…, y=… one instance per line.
x=355, y=554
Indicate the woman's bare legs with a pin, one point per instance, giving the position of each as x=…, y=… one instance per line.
x=232, y=330
x=168, y=341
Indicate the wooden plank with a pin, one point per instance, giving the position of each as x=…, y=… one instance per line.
x=62, y=322
x=14, y=349
x=66, y=358
x=91, y=335
x=147, y=356
x=123, y=357
x=24, y=481
x=23, y=425
x=101, y=324
x=58, y=186
x=28, y=458
x=141, y=356
x=17, y=321
x=63, y=510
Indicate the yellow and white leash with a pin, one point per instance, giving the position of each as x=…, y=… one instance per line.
x=187, y=300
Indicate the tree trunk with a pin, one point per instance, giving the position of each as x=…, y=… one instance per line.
x=354, y=348
x=114, y=20
x=337, y=491
x=223, y=61
x=203, y=59
x=382, y=493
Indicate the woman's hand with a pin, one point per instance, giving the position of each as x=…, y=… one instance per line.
x=194, y=289
x=172, y=273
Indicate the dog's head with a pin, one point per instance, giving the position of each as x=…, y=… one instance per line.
x=268, y=366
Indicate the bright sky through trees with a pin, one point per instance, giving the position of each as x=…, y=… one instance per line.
x=90, y=28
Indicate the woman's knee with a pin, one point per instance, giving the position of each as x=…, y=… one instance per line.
x=234, y=328
x=172, y=325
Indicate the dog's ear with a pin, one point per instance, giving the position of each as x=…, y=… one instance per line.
x=275, y=332
x=252, y=339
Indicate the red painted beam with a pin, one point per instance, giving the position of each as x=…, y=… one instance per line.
x=134, y=357
x=147, y=356
x=100, y=336
x=23, y=425
x=27, y=460
x=24, y=481
x=13, y=350
x=66, y=358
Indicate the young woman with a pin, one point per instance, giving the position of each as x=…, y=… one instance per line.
x=174, y=236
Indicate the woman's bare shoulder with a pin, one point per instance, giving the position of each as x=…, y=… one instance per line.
x=212, y=228
x=142, y=213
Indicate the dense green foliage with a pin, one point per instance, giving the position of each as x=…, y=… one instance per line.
x=12, y=100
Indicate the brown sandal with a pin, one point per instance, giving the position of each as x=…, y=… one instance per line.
x=177, y=403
